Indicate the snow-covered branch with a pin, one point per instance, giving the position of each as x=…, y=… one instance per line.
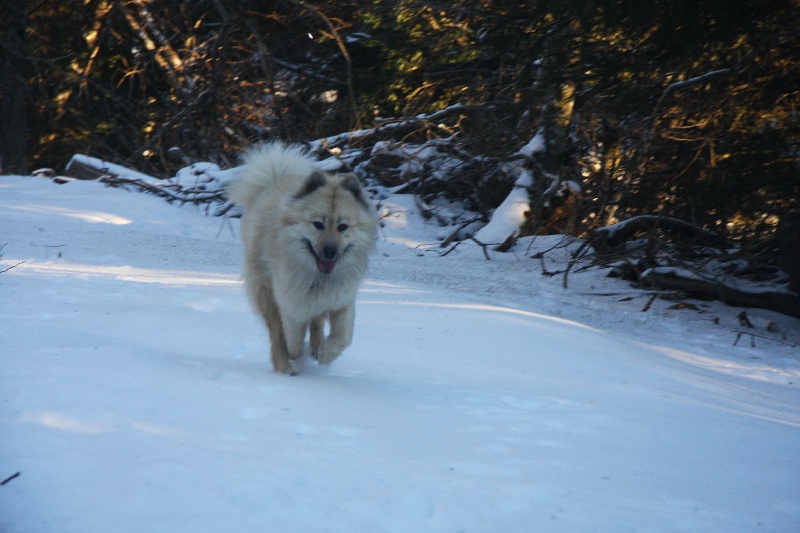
x=671, y=254
x=616, y=234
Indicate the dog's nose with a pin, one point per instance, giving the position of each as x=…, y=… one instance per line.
x=329, y=251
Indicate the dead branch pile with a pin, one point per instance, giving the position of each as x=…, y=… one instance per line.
x=664, y=253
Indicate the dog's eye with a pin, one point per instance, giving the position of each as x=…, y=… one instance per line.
x=342, y=227
x=319, y=225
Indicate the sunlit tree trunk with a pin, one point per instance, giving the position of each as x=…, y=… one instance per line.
x=558, y=88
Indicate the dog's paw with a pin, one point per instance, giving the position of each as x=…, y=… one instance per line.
x=327, y=354
x=284, y=367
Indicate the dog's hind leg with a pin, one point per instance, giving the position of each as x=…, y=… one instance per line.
x=341, y=334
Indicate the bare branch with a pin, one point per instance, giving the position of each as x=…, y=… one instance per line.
x=12, y=266
x=345, y=54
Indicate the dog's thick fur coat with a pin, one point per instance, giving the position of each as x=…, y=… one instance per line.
x=307, y=236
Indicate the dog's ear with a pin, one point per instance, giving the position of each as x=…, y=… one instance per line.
x=315, y=181
x=352, y=184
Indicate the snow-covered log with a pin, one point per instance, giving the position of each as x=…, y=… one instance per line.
x=650, y=250
x=200, y=183
x=676, y=279
x=614, y=235
x=81, y=170
x=507, y=219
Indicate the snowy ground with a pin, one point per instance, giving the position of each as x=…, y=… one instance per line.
x=478, y=395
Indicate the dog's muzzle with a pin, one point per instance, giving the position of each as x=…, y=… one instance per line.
x=326, y=261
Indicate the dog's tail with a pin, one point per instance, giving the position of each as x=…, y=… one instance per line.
x=274, y=165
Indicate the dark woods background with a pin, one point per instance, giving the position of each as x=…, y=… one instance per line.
x=681, y=108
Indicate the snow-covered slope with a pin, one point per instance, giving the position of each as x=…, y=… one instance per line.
x=478, y=395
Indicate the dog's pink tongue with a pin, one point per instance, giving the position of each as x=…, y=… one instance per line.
x=325, y=266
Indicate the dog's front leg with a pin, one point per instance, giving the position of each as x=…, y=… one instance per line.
x=294, y=332
x=341, y=334
x=316, y=332
x=265, y=301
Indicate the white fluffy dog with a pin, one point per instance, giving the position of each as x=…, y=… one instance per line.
x=307, y=236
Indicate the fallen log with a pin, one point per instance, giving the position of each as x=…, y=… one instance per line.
x=603, y=239
x=81, y=170
x=665, y=278
x=89, y=168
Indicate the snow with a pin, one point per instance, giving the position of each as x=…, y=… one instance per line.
x=509, y=215
x=535, y=145
x=478, y=395
x=112, y=168
x=202, y=173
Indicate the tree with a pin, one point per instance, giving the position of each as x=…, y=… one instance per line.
x=684, y=109
x=13, y=91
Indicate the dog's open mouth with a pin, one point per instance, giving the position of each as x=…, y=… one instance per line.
x=325, y=266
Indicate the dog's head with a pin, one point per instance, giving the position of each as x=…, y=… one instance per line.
x=336, y=219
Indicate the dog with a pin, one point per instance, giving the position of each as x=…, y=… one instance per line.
x=307, y=237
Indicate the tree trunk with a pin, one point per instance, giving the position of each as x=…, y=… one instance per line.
x=13, y=92
x=556, y=115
